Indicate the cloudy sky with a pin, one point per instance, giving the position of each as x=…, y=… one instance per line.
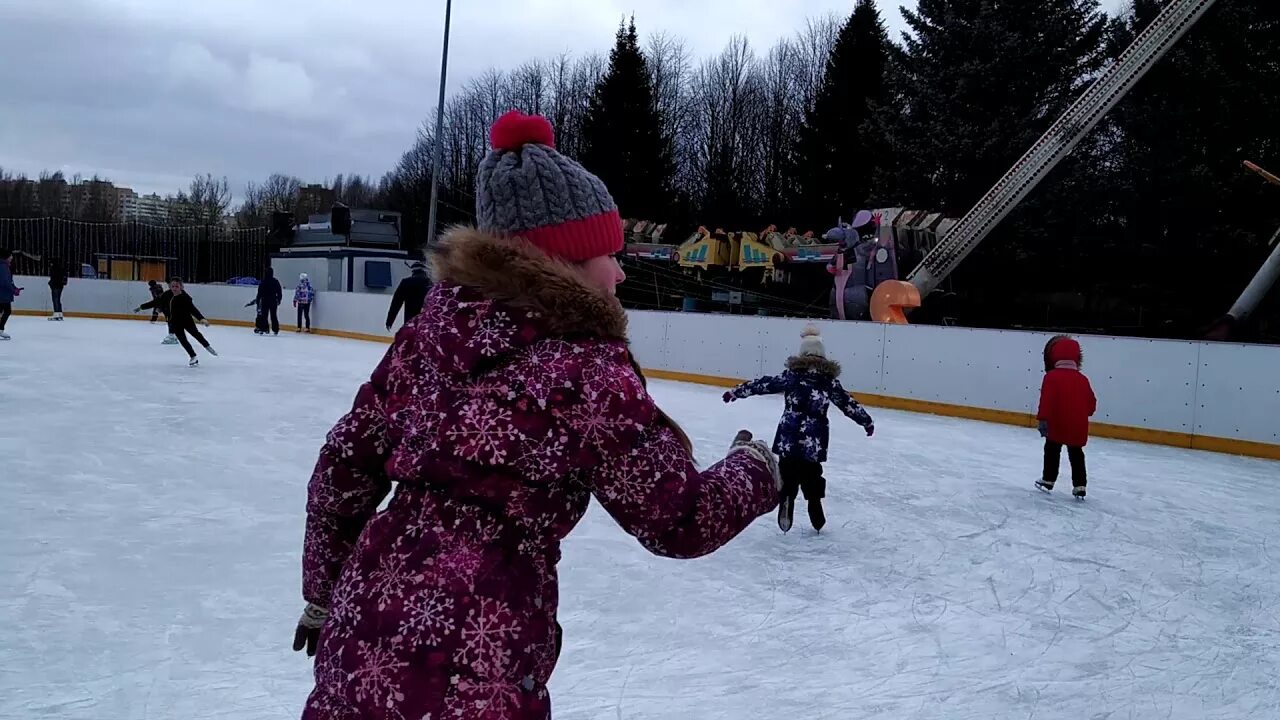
x=151, y=92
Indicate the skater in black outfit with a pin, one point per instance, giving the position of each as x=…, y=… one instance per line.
x=156, y=292
x=411, y=293
x=183, y=315
x=57, y=281
x=811, y=385
x=8, y=291
x=270, y=294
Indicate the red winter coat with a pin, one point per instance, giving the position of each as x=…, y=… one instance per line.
x=1066, y=398
x=498, y=413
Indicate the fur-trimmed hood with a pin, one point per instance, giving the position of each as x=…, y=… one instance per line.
x=516, y=273
x=814, y=363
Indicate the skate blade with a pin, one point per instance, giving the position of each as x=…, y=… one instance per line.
x=1043, y=489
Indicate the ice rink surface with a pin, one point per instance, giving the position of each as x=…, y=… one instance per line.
x=151, y=522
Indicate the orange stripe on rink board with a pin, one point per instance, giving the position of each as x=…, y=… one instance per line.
x=1208, y=443
x=122, y=316
x=1005, y=417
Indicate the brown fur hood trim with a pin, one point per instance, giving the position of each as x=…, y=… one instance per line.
x=815, y=364
x=517, y=273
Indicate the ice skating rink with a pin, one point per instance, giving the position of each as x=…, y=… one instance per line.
x=151, y=521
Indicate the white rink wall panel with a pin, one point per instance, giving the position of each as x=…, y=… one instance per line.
x=993, y=369
x=722, y=345
x=360, y=313
x=217, y=302
x=648, y=334
x=1238, y=396
x=1143, y=383
x=1220, y=391
x=857, y=346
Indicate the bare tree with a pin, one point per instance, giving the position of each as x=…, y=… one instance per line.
x=278, y=193
x=209, y=198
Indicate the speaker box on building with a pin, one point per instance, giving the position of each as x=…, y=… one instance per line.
x=281, y=228
x=340, y=220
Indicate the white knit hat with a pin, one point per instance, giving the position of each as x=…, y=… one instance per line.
x=811, y=342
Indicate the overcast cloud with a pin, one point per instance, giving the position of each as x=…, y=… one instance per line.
x=151, y=92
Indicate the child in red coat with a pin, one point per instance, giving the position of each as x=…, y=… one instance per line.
x=1066, y=404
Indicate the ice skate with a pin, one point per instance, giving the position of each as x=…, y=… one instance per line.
x=816, y=516
x=170, y=339
x=298, y=330
x=4, y=335
x=1078, y=492
x=193, y=362
x=1044, y=486
x=211, y=351
x=786, y=509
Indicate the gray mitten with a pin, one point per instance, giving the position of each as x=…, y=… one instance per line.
x=308, y=633
x=760, y=450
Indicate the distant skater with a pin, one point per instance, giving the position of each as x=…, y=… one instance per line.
x=156, y=292
x=183, y=315
x=811, y=384
x=303, y=296
x=411, y=293
x=57, y=283
x=8, y=291
x=1066, y=404
x=270, y=295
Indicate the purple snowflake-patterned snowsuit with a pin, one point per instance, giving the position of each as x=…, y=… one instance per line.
x=497, y=413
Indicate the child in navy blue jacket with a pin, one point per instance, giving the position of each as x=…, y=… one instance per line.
x=811, y=385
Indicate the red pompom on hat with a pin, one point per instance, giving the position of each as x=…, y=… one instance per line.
x=515, y=130
x=525, y=189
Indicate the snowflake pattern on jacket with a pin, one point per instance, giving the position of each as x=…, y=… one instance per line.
x=498, y=413
x=811, y=384
x=304, y=293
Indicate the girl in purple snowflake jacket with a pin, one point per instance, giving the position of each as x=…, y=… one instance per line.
x=497, y=414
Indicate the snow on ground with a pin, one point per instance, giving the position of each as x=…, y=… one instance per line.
x=151, y=520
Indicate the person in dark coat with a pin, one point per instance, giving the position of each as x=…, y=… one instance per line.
x=270, y=295
x=811, y=385
x=183, y=315
x=411, y=293
x=57, y=281
x=156, y=292
x=8, y=291
x=1066, y=404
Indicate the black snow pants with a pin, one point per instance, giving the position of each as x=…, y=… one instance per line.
x=272, y=316
x=1053, y=457
x=803, y=475
x=6, y=309
x=181, y=328
x=57, y=299
x=304, y=310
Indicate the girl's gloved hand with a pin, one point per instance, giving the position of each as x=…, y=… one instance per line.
x=743, y=443
x=308, y=633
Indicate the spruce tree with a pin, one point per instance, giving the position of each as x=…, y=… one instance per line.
x=840, y=146
x=623, y=142
x=977, y=82
x=1184, y=131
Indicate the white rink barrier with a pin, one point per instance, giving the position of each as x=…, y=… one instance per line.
x=1213, y=396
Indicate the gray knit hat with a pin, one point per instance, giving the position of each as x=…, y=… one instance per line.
x=525, y=188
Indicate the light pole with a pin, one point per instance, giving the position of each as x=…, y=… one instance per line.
x=439, y=131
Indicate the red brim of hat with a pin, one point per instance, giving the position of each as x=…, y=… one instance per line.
x=579, y=240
